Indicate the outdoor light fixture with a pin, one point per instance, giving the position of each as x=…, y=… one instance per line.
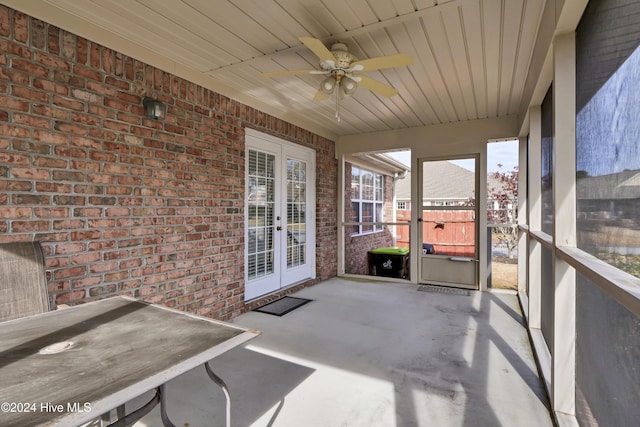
x=341, y=84
x=154, y=108
x=348, y=85
x=328, y=85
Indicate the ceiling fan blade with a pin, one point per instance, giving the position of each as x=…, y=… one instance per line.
x=319, y=49
x=377, y=87
x=320, y=96
x=381, y=62
x=287, y=73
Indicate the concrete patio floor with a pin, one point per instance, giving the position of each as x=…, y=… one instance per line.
x=366, y=353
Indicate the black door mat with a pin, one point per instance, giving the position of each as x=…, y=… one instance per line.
x=443, y=290
x=282, y=306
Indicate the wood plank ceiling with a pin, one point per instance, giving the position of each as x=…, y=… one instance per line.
x=471, y=57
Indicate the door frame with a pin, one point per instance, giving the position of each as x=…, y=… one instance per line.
x=448, y=262
x=259, y=141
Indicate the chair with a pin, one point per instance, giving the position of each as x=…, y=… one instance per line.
x=23, y=285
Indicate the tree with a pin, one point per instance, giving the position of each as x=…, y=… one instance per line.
x=502, y=206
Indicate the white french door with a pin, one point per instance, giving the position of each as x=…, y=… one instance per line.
x=279, y=214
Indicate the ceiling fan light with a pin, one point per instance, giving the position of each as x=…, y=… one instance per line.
x=328, y=85
x=348, y=85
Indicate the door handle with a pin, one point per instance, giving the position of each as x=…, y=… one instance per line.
x=278, y=228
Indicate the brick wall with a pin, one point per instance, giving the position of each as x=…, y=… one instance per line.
x=124, y=204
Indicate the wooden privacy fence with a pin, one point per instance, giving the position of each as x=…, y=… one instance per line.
x=448, y=232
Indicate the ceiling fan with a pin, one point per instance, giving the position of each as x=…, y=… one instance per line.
x=341, y=68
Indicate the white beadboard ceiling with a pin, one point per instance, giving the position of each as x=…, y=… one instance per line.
x=471, y=57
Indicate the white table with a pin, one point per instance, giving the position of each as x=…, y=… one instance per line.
x=119, y=348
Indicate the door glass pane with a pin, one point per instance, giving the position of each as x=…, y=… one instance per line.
x=260, y=206
x=296, y=212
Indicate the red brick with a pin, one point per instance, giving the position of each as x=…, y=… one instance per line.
x=68, y=103
x=68, y=46
x=29, y=67
x=68, y=224
x=32, y=173
x=50, y=137
x=20, y=27
x=81, y=50
x=5, y=24
x=103, y=134
x=111, y=212
x=65, y=273
x=14, y=185
x=13, y=104
x=32, y=121
x=86, y=119
x=29, y=226
x=68, y=297
x=130, y=263
x=87, y=72
x=68, y=79
x=85, y=282
x=48, y=111
x=15, y=212
x=100, y=223
x=19, y=50
x=47, y=162
x=116, y=169
x=104, y=289
x=116, y=255
x=102, y=178
x=52, y=61
x=68, y=200
x=14, y=159
x=53, y=187
x=51, y=212
x=50, y=87
x=30, y=94
x=70, y=248
x=70, y=128
x=102, y=267
x=121, y=84
x=85, y=166
x=103, y=201
x=84, y=95
x=53, y=39
x=30, y=199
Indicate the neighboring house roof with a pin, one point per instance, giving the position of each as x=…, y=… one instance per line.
x=622, y=185
x=445, y=180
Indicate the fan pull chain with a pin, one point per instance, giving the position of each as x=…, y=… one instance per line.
x=338, y=102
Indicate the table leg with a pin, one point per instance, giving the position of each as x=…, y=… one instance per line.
x=125, y=420
x=121, y=411
x=216, y=379
x=166, y=422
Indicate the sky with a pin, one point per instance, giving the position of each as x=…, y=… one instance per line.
x=504, y=153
